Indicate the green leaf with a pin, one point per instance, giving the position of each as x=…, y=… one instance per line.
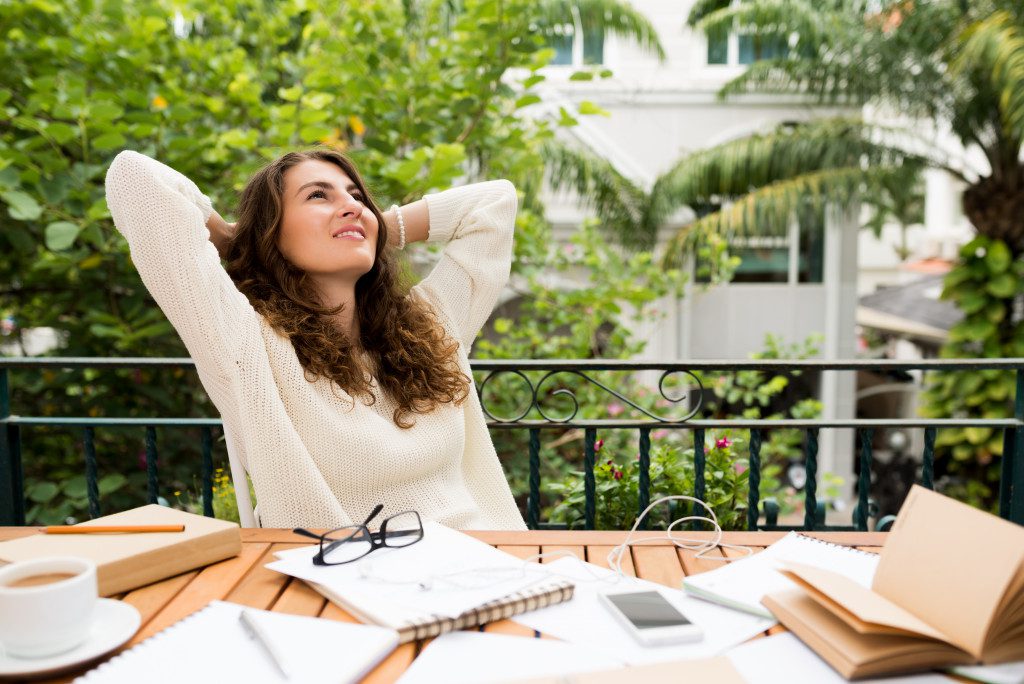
x=42, y=492
x=61, y=132
x=109, y=484
x=21, y=205
x=582, y=76
x=290, y=94
x=76, y=487
x=998, y=257
x=589, y=108
x=60, y=235
x=526, y=100
x=109, y=141
x=1003, y=285
x=565, y=119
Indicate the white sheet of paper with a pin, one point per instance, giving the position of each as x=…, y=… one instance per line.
x=586, y=620
x=1006, y=673
x=784, y=658
x=212, y=646
x=393, y=576
x=746, y=581
x=478, y=657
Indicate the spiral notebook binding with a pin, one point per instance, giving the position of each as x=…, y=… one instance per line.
x=837, y=546
x=144, y=645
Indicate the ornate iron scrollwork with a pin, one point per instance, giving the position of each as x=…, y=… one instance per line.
x=536, y=396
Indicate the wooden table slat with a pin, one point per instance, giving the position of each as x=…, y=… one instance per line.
x=213, y=582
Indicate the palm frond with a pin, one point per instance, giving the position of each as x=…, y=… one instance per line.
x=995, y=46
x=735, y=168
x=775, y=17
x=615, y=17
x=768, y=209
x=617, y=202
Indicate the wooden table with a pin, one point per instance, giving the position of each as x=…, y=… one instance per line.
x=244, y=579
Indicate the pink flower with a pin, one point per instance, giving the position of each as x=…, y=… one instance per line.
x=615, y=409
x=659, y=434
x=617, y=474
x=723, y=443
x=598, y=444
x=609, y=461
x=740, y=468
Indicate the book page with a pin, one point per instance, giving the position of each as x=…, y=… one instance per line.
x=950, y=565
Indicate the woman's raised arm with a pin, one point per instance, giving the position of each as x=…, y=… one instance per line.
x=164, y=217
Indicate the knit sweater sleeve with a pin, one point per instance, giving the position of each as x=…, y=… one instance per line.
x=475, y=223
x=162, y=215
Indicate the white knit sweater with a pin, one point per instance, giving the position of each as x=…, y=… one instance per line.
x=315, y=459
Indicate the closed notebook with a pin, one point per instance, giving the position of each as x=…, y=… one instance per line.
x=412, y=627
x=949, y=590
x=211, y=645
x=128, y=561
x=743, y=583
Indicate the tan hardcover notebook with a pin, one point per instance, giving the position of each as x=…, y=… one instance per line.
x=531, y=598
x=128, y=561
x=949, y=590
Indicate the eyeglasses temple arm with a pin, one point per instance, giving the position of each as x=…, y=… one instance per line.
x=374, y=513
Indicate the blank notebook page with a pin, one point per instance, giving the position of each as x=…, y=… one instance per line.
x=212, y=645
x=745, y=582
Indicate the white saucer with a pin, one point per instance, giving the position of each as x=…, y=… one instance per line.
x=114, y=623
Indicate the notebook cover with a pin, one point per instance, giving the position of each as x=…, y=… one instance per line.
x=533, y=598
x=128, y=561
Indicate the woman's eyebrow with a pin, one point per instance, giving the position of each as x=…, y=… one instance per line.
x=326, y=186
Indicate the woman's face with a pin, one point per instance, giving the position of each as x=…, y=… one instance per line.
x=326, y=230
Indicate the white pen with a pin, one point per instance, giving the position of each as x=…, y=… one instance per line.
x=251, y=626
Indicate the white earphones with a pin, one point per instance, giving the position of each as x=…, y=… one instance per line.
x=499, y=574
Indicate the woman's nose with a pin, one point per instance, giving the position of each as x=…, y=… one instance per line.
x=350, y=208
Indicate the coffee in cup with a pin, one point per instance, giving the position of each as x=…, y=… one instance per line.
x=46, y=605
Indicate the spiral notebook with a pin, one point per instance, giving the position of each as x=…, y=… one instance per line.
x=426, y=626
x=743, y=583
x=211, y=645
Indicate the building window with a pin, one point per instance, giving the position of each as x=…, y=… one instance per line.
x=577, y=47
x=793, y=258
x=754, y=48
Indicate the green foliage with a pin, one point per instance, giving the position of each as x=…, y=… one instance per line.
x=419, y=94
x=984, y=285
x=672, y=472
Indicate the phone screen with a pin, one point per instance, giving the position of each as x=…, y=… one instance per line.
x=648, y=610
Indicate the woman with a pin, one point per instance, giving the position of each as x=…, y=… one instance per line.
x=339, y=390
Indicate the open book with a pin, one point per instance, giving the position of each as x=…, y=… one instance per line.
x=949, y=590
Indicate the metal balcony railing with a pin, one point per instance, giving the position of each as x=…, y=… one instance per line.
x=1011, y=489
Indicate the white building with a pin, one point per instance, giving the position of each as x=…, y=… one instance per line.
x=793, y=287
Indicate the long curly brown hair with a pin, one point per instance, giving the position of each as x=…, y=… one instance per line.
x=414, y=360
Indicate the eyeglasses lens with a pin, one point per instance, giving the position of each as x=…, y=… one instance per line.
x=403, y=529
x=346, y=544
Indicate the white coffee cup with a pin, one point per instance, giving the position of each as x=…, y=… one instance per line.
x=46, y=605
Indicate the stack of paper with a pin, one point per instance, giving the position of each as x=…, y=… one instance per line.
x=443, y=576
x=585, y=620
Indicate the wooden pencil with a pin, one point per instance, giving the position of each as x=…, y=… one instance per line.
x=110, y=529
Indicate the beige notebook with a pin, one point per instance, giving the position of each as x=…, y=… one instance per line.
x=949, y=590
x=128, y=561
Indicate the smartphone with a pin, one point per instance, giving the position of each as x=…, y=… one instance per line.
x=650, y=618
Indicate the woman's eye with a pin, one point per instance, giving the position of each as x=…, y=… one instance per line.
x=315, y=193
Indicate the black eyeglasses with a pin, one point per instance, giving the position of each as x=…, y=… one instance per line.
x=347, y=544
